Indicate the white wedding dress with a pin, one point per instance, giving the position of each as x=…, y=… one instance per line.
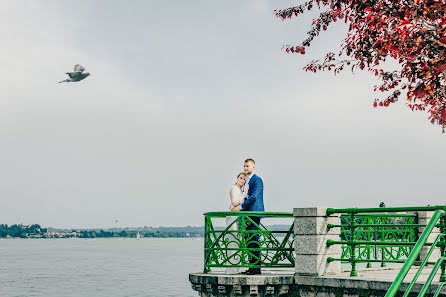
x=233, y=238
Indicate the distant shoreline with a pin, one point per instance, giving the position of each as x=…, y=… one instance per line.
x=129, y=238
x=36, y=231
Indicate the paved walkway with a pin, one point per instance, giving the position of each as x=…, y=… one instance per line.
x=377, y=279
x=386, y=274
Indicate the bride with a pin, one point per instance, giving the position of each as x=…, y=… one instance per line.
x=237, y=197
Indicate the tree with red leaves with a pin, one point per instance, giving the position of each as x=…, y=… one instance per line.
x=412, y=32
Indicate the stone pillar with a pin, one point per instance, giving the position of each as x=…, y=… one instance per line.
x=423, y=218
x=310, y=241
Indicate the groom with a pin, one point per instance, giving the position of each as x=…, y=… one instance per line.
x=254, y=202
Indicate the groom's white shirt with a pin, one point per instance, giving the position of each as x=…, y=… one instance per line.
x=247, y=179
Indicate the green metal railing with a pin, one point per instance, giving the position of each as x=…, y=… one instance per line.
x=440, y=241
x=374, y=235
x=231, y=245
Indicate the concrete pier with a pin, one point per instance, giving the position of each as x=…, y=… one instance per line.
x=369, y=282
x=313, y=274
x=219, y=284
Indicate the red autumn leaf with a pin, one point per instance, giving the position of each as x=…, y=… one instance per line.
x=419, y=91
x=443, y=114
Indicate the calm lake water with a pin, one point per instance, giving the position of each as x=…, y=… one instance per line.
x=98, y=267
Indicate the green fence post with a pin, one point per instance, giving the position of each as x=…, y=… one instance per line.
x=383, y=238
x=243, y=244
x=416, y=233
x=384, y=221
x=352, y=245
x=205, y=243
x=442, y=250
x=370, y=221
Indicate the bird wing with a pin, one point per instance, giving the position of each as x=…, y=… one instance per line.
x=78, y=68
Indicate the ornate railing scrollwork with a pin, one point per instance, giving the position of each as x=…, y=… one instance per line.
x=233, y=244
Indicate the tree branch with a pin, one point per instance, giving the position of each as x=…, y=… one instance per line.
x=438, y=42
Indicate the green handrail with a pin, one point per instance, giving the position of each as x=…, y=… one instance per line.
x=236, y=245
x=402, y=261
x=431, y=276
x=223, y=214
x=362, y=242
x=415, y=253
x=423, y=264
x=381, y=214
x=440, y=286
x=384, y=234
x=380, y=237
x=384, y=209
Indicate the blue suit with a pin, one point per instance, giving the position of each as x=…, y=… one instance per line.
x=254, y=202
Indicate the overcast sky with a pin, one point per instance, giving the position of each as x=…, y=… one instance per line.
x=181, y=93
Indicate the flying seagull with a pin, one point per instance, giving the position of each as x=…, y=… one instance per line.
x=77, y=75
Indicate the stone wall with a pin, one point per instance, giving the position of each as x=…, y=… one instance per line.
x=221, y=285
x=269, y=285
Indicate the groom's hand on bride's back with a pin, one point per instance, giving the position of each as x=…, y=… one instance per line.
x=237, y=208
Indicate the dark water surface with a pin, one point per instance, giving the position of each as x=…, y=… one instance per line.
x=98, y=267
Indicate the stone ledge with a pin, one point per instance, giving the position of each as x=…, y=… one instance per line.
x=358, y=283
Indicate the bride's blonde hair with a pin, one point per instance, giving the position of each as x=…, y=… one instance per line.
x=238, y=175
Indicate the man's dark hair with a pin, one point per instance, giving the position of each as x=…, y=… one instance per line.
x=250, y=160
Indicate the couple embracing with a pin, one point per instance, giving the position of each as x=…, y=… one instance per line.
x=247, y=195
